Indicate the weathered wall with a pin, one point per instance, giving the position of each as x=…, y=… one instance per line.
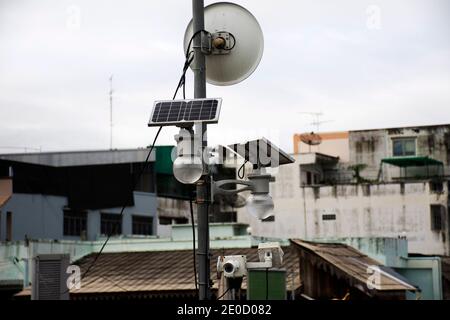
x=370, y=146
x=378, y=210
x=385, y=212
x=333, y=143
x=41, y=216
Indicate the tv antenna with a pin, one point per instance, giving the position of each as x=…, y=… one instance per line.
x=317, y=122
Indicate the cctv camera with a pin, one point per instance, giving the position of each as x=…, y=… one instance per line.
x=271, y=250
x=233, y=266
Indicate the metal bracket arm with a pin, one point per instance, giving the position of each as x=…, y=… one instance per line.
x=217, y=186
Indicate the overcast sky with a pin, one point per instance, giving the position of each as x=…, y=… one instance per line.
x=364, y=64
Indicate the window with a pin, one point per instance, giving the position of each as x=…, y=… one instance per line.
x=111, y=224
x=75, y=222
x=308, y=178
x=181, y=220
x=404, y=147
x=142, y=225
x=436, y=187
x=8, y=226
x=329, y=217
x=144, y=177
x=437, y=213
x=170, y=220
x=165, y=220
x=366, y=190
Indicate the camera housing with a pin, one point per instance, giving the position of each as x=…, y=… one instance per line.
x=271, y=250
x=233, y=266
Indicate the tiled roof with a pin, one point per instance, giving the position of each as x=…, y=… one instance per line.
x=161, y=271
x=355, y=265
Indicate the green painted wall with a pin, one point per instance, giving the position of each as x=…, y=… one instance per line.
x=164, y=160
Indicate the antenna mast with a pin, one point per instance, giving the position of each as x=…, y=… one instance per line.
x=316, y=121
x=111, y=112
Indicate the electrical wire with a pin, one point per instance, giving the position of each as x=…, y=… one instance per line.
x=223, y=294
x=193, y=243
x=234, y=42
x=190, y=41
x=188, y=61
x=181, y=83
x=83, y=276
x=243, y=170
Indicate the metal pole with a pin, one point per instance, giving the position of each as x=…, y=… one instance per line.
x=110, y=113
x=203, y=185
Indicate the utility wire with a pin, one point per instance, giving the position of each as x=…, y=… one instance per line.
x=223, y=294
x=242, y=169
x=181, y=83
x=143, y=168
x=187, y=63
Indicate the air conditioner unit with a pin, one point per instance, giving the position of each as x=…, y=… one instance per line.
x=50, y=277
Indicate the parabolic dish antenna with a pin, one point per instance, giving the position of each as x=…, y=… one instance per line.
x=311, y=139
x=247, y=43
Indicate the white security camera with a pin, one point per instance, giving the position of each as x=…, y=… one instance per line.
x=272, y=251
x=232, y=266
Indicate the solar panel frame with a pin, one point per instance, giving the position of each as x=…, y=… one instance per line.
x=263, y=148
x=185, y=112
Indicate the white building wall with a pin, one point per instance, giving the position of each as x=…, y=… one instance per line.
x=369, y=147
x=387, y=212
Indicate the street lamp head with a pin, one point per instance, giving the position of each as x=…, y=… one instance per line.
x=188, y=169
x=188, y=166
x=259, y=203
x=260, y=206
x=261, y=153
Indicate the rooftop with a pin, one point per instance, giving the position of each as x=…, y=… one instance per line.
x=158, y=273
x=81, y=158
x=347, y=262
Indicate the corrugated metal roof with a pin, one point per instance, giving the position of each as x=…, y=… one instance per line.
x=161, y=271
x=356, y=265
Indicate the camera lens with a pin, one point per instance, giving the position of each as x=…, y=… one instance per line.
x=228, y=267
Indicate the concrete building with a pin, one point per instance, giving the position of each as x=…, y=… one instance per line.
x=77, y=195
x=174, y=197
x=367, y=183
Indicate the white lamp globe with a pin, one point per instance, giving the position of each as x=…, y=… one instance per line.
x=187, y=169
x=260, y=206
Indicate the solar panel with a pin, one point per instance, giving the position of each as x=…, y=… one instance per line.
x=262, y=152
x=185, y=112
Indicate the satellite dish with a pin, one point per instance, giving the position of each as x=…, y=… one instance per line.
x=311, y=139
x=247, y=43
